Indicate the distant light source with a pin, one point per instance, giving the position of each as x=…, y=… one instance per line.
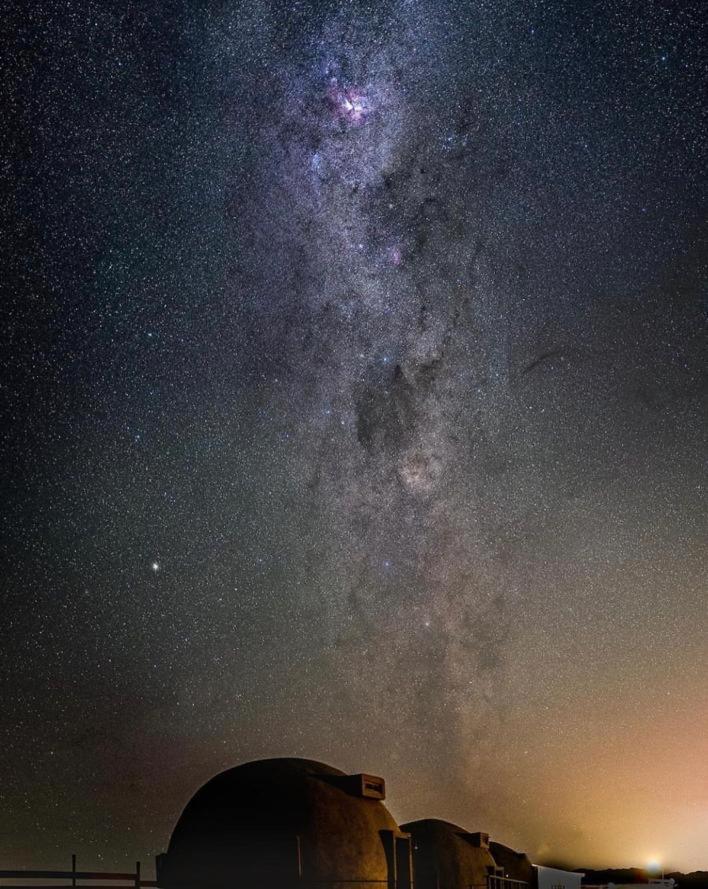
x=654, y=865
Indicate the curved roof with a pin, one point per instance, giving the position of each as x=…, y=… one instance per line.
x=436, y=825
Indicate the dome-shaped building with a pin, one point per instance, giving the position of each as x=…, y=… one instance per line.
x=446, y=856
x=512, y=864
x=286, y=822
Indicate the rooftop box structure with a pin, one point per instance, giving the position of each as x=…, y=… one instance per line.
x=369, y=786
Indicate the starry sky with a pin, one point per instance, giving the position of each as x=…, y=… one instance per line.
x=353, y=407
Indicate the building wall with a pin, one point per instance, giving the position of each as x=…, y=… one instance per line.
x=552, y=878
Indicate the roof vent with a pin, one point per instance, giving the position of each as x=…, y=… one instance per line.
x=479, y=840
x=368, y=786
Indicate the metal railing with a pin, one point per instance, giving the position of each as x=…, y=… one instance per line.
x=80, y=879
x=496, y=882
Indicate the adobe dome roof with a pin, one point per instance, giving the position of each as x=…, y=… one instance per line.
x=434, y=824
x=291, y=813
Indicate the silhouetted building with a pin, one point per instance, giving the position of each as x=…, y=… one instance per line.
x=446, y=856
x=282, y=823
x=554, y=878
x=512, y=864
x=300, y=824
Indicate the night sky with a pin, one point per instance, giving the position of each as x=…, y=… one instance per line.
x=353, y=407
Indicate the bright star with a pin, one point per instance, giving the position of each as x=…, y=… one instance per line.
x=155, y=567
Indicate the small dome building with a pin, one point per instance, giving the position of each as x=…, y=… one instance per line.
x=277, y=823
x=446, y=856
x=514, y=865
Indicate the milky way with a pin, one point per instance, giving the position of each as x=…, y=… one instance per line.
x=355, y=411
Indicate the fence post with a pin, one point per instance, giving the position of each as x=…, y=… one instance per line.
x=137, y=875
x=299, y=857
x=73, y=870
